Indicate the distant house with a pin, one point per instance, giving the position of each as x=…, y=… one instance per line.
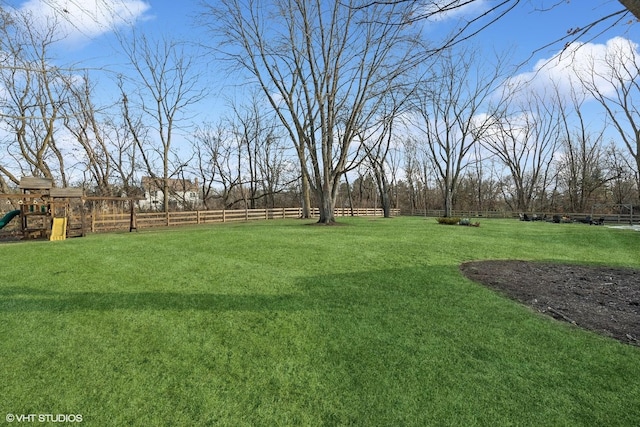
x=183, y=194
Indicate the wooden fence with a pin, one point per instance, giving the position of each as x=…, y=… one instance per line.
x=101, y=222
x=608, y=217
x=435, y=213
x=97, y=222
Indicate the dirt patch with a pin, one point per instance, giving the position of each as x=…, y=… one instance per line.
x=601, y=299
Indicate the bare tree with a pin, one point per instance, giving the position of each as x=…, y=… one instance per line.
x=614, y=81
x=412, y=171
x=324, y=67
x=221, y=164
x=123, y=152
x=581, y=167
x=205, y=146
x=275, y=171
x=34, y=92
x=163, y=85
x=524, y=139
x=211, y=154
x=259, y=139
x=623, y=178
x=486, y=14
x=453, y=111
x=420, y=175
x=82, y=121
x=479, y=190
x=377, y=151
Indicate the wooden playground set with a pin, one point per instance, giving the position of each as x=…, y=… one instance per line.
x=38, y=210
x=47, y=212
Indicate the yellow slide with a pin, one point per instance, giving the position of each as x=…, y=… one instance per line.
x=59, y=229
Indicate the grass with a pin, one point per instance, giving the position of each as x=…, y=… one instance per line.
x=280, y=323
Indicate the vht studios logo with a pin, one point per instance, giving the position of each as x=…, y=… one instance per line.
x=44, y=418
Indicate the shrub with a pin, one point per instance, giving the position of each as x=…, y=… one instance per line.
x=448, y=220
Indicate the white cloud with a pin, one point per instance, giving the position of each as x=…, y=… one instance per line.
x=453, y=10
x=581, y=60
x=82, y=20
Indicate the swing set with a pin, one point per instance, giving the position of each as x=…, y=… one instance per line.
x=47, y=212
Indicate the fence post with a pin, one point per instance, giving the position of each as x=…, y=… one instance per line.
x=132, y=220
x=93, y=216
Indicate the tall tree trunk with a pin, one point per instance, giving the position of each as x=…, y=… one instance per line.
x=165, y=193
x=448, y=199
x=349, y=195
x=306, y=196
x=386, y=205
x=326, y=204
x=383, y=190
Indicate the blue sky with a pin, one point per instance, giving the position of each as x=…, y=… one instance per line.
x=90, y=40
x=529, y=33
x=89, y=28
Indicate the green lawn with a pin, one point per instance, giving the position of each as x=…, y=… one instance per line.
x=282, y=323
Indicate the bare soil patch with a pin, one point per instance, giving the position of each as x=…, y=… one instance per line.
x=602, y=299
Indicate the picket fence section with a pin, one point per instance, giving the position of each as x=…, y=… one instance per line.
x=101, y=222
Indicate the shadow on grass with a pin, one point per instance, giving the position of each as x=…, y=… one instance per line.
x=318, y=292
x=24, y=299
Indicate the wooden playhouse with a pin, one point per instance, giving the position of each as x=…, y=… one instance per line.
x=46, y=211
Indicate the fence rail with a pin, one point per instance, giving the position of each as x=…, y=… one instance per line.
x=608, y=217
x=102, y=222
x=461, y=214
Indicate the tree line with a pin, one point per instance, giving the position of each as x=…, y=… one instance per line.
x=344, y=104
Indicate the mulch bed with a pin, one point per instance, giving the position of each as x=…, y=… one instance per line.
x=602, y=299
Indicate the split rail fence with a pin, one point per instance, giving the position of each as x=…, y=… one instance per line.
x=613, y=218
x=102, y=222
